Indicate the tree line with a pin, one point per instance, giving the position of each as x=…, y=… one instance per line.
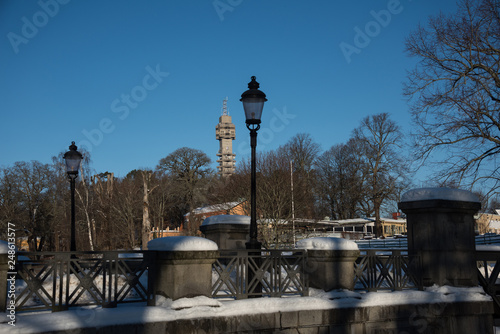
x=362, y=177
x=454, y=98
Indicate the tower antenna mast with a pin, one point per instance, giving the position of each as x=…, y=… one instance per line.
x=224, y=107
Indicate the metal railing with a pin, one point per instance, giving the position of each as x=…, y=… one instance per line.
x=487, y=239
x=386, y=270
x=488, y=268
x=59, y=280
x=274, y=273
x=401, y=243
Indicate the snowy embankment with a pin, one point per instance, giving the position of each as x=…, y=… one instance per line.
x=203, y=307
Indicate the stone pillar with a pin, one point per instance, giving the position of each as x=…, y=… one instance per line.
x=441, y=232
x=182, y=266
x=227, y=231
x=330, y=262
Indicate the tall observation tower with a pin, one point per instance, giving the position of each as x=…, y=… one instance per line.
x=225, y=134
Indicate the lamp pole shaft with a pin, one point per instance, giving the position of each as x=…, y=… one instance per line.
x=73, y=236
x=253, y=243
x=253, y=190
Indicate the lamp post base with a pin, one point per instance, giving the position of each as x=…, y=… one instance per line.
x=254, y=271
x=253, y=244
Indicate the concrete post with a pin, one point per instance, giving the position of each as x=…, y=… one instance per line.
x=441, y=232
x=227, y=231
x=183, y=266
x=332, y=269
x=330, y=262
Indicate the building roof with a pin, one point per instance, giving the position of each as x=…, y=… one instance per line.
x=213, y=208
x=370, y=221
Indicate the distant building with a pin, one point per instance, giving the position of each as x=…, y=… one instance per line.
x=194, y=219
x=157, y=233
x=225, y=133
x=359, y=228
x=488, y=222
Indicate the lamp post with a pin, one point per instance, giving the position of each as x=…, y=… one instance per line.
x=253, y=103
x=73, y=159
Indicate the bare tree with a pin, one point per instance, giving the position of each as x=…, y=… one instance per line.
x=340, y=180
x=454, y=92
x=190, y=171
x=379, y=137
x=302, y=151
x=127, y=209
x=146, y=221
x=26, y=189
x=273, y=195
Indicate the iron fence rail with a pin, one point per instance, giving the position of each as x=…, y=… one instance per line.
x=402, y=243
x=488, y=269
x=274, y=273
x=59, y=280
x=386, y=270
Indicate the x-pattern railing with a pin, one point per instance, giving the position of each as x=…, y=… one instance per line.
x=274, y=273
x=488, y=268
x=63, y=279
x=374, y=271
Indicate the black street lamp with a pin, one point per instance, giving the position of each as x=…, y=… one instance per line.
x=253, y=103
x=72, y=159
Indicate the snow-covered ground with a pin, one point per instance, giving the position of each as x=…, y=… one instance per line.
x=202, y=307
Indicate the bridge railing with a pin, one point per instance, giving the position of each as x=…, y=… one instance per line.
x=386, y=270
x=59, y=280
x=488, y=269
x=273, y=273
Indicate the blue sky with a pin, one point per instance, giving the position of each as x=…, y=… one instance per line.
x=132, y=81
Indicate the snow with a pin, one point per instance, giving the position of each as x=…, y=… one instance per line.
x=213, y=208
x=422, y=194
x=327, y=243
x=227, y=219
x=4, y=247
x=187, y=302
x=203, y=307
x=494, y=248
x=182, y=243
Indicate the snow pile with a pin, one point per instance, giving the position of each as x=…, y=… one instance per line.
x=227, y=219
x=491, y=248
x=327, y=243
x=449, y=194
x=184, y=303
x=182, y=243
x=4, y=247
x=458, y=294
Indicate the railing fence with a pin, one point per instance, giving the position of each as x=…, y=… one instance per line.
x=57, y=281
x=488, y=267
x=276, y=273
x=386, y=270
